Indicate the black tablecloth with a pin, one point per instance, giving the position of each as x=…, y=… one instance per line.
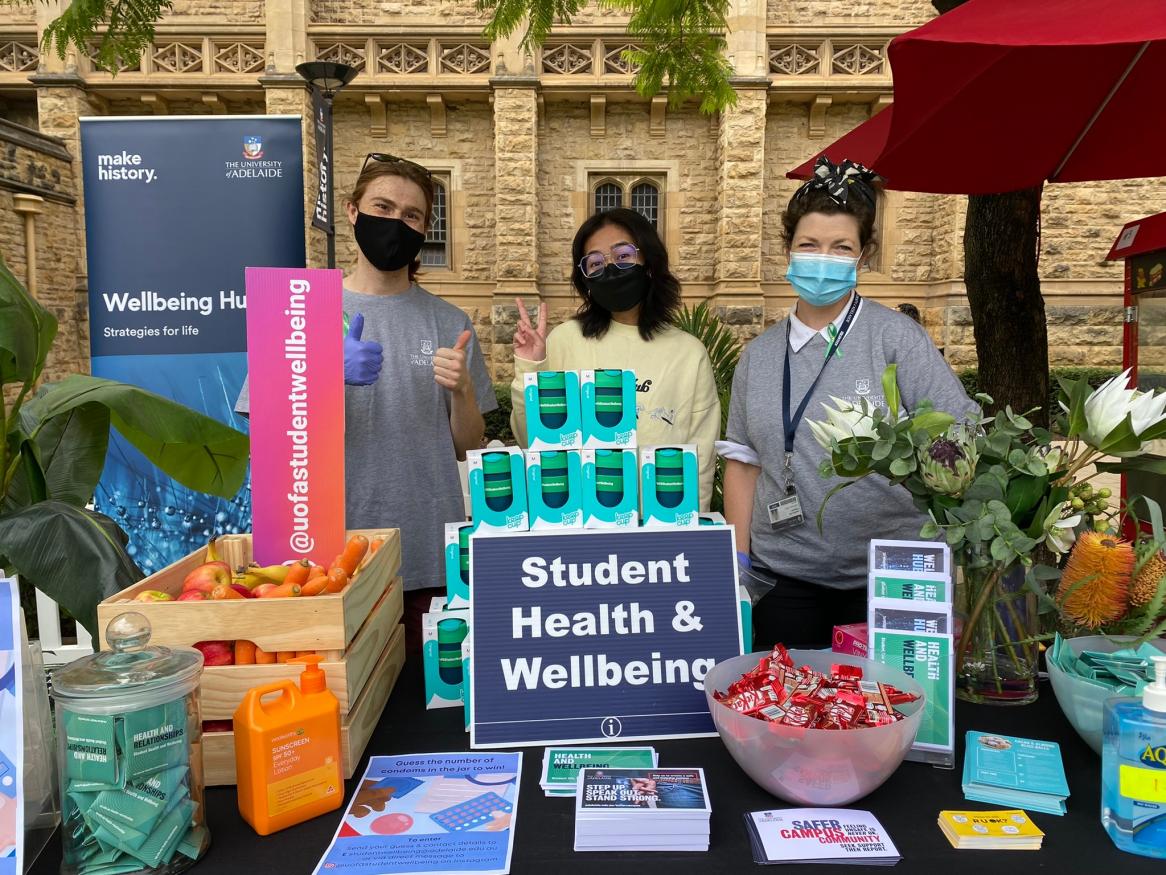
x=907, y=804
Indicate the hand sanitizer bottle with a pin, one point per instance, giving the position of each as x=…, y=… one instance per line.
x=1133, y=769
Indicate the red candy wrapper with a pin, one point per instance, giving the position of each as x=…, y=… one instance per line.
x=779, y=692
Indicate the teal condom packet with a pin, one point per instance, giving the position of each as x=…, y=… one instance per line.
x=143, y=801
x=163, y=841
x=91, y=747
x=194, y=842
x=153, y=739
x=119, y=836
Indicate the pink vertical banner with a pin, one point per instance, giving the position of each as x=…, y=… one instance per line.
x=295, y=361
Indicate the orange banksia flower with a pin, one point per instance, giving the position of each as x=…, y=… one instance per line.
x=1095, y=584
x=1145, y=587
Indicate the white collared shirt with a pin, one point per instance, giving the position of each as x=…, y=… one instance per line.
x=800, y=333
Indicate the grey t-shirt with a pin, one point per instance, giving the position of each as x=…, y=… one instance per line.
x=400, y=465
x=871, y=508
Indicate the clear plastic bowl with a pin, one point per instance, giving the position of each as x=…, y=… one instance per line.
x=1082, y=701
x=815, y=767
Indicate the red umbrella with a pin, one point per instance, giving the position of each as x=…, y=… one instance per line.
x=1000, y=95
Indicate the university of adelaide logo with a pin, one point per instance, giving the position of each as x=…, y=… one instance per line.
x=252, y=148
x=862, y=387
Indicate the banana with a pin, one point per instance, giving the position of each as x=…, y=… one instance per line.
x=253, y=575
x=212, y=553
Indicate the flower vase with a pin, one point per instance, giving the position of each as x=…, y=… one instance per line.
x=997, y=653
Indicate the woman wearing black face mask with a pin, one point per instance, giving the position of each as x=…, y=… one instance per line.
x=628, y=300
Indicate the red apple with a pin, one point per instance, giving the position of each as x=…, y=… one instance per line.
x=263, y=588
x=207, y=576
x=242, y=590
x=193, y=595
x=216, y=652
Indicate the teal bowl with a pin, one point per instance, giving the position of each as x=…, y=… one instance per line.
x=1083, y=701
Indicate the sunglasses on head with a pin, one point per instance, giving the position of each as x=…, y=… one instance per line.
x=385, y=158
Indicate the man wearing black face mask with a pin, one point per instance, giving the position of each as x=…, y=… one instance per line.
x=416, y=381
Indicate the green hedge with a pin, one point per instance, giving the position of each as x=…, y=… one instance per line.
x=1095, y=377
x=498, y=420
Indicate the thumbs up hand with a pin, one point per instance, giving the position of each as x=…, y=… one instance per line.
x=362, y=358
x=449, y=366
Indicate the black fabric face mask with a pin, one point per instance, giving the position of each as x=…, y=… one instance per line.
x=618, y=289
x=388, y=244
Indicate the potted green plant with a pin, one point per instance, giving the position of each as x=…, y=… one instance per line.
x=55, y=437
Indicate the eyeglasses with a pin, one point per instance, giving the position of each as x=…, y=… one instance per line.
x=623, y=256
x=386, y=158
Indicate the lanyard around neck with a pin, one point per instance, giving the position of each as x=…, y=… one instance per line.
x=790, y=424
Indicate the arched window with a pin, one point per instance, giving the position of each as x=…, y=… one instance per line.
x=435, y=250
x=608, y=196
x=646, y=202
x=644, y=195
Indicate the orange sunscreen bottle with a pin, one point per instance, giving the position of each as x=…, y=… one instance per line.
x=287, y=751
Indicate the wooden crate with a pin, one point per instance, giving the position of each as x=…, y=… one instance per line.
x=223, y=686
x=322, y=623
x=218, y=748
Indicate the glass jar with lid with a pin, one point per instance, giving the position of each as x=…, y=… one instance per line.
x=130, y=756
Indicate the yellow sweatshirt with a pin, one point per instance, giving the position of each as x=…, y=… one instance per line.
x=676, y=398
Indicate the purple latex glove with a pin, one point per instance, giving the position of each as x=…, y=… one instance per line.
x=362, y=358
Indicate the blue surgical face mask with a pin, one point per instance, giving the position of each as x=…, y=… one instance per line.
x=821, y=280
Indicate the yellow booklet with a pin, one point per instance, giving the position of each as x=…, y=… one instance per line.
x=991, y=830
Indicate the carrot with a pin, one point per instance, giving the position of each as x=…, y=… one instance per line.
x=225, y=591
x=354, y=551
x=263, y=589
x=315, y=586
x=337, y=580
x=285, y=656
x=245, y=652
x=376, y=544
x=316, y=571
x=284, y=590
x=299, y=572
x=262, y=657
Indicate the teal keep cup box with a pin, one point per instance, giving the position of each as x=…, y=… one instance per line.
x=553, y=420
x=554, y=489
x=608, y=403
x=611, y=494
x=712, y=519
x=443, y=630
x=669, y=486
x=457, y=564
x=497, y=480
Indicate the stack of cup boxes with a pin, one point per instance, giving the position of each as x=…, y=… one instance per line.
x=583, y=469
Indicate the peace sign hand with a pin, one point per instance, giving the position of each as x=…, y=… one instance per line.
x=530, y=342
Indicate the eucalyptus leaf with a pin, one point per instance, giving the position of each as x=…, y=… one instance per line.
x=955, y=534
x=930, y=531
x=1000, y=550
x=902, y=467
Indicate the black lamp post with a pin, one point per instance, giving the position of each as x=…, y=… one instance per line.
x=328, y=77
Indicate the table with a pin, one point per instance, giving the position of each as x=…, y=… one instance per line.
x=907, y=804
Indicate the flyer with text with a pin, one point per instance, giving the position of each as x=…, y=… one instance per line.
x=435, y=813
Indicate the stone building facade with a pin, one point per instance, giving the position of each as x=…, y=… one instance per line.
x=526, y=146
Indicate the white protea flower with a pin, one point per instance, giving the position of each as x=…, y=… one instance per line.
x=1112, y=402
x=843, y=421
x=1060, y=533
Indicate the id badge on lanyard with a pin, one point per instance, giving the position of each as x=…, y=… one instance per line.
x=786, y=513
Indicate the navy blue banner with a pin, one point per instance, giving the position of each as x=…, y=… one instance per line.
x=175, y=209
x=598, y=635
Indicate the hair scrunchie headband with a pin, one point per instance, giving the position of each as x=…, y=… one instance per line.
x=838, y=180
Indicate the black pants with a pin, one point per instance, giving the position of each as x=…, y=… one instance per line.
x=803, y=615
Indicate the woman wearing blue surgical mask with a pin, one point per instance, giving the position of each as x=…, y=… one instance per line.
x=833, y=343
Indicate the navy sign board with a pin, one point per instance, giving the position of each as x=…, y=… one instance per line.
x=586, y=636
